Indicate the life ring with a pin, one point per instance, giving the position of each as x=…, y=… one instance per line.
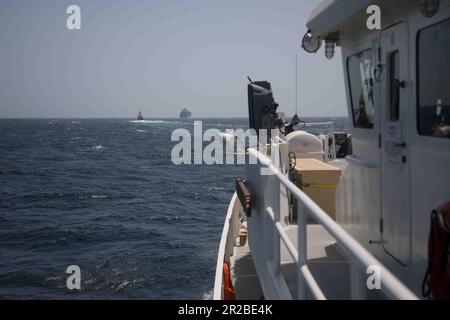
x=228, y=289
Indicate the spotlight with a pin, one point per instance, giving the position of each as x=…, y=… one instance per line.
x=311, y=44
x=329, y=49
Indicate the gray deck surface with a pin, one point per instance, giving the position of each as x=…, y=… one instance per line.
x=246, y=282
x=325, y=261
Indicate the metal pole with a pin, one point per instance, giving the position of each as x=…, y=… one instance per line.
x=302, y=250
x=276, y=211
x=296, y=84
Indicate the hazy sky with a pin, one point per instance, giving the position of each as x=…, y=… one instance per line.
x=158, y=57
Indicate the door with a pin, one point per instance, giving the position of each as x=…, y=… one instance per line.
x=395, y=215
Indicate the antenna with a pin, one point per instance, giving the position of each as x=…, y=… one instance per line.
x=296, y=84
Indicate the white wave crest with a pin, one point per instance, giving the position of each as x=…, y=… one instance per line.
x=208, y=295
x=98, y=147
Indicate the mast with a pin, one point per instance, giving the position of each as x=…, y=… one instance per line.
x=296, y=84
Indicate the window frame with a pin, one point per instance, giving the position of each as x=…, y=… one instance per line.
x=393, y=114
x=349, y=81
x=417, y=62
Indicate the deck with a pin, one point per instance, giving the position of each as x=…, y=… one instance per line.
x=325, y=261
x=245, y=279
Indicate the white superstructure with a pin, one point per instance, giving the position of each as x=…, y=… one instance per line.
x=398, y=92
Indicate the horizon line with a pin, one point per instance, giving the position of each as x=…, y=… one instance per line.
x=150, y=118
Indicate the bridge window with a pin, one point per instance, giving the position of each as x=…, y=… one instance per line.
x=360, y=68
x=434, y=80
x=394, y=86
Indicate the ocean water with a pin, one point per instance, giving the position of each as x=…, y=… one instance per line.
x=104, y=195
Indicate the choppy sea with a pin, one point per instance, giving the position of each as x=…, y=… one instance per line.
x=103, y=194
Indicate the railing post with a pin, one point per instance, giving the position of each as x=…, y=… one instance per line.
x=276, y=213
x=357, y=281
x=302, y=250
x=266, y=246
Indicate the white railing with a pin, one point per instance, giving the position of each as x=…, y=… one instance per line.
x=268, y=263
x=227, y=243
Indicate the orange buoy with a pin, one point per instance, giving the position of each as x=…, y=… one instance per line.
x=228, y=289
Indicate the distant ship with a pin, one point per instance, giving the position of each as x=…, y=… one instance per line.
x=140, y=116
x=185, y=114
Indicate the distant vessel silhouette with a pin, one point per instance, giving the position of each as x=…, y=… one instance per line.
x=185, y=114
x=140, y=116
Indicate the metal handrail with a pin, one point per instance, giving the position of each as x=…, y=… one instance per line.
x=309, y=279
x=358, y=256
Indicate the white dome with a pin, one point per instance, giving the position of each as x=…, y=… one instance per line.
x=304, y=142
